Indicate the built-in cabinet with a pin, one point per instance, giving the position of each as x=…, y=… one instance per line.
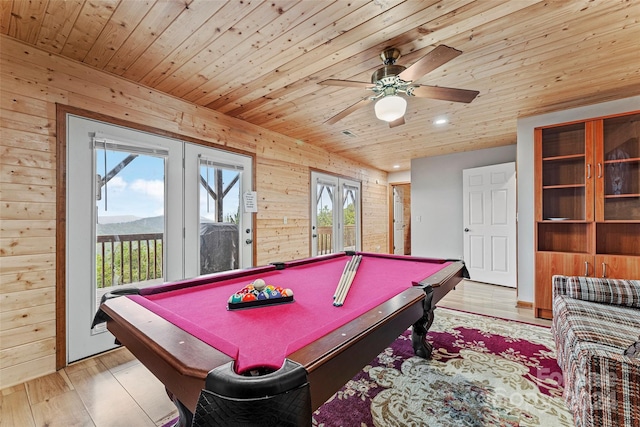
x=587, y=206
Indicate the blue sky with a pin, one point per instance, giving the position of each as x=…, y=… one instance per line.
x=138, y=189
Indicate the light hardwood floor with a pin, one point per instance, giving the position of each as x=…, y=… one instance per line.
x=114, y=389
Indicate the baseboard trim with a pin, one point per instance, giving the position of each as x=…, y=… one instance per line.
x=524, y=304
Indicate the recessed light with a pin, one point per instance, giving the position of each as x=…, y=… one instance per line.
x=440, y=121
x=396, y=166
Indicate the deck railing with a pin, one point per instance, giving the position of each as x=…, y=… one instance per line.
x=132, y=258
x=128, y=258
x=325, y=239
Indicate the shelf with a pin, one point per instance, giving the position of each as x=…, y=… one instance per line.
x=633, y=160
x=617, y=238
x=621, y=196
x=546, y=251
x=563, y=141
x=564, y=236
x=565, y=201
x=562, y=158
x=564, y=171
x=553, y=187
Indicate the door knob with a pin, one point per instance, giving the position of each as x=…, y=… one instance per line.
x=466, y=230
x=248, y=241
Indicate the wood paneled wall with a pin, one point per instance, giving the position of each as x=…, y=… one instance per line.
x=32, y=82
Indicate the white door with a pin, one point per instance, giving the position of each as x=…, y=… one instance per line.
x=143, y=209
x=398, y=220
x=489, y=207
x=335, y=214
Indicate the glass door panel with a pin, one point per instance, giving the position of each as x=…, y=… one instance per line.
x=349, y=215
x=620, y=168
x=130, y=224
x=325, y=212
x=220, y=198
x=564, y=163
x=218, y=226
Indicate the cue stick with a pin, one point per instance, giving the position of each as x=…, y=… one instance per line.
x=345, y=273
x=340, y=299
x=349, y=280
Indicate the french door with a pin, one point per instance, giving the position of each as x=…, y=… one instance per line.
x=139, y=213
x=335, y=214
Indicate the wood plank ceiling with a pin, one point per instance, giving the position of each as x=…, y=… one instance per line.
x=262, y=61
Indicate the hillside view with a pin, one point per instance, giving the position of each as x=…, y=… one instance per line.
x=125, y=225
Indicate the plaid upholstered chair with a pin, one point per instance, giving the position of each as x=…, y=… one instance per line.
x=596, y=326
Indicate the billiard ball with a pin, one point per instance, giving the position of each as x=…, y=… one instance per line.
x=248, y=297
x=287, y=293
x=259, y=284
x=235, y=298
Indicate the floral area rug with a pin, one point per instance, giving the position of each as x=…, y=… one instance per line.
x=483, y=372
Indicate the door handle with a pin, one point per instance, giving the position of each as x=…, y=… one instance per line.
x=604, y=270
x=248, y=241
x=466, y=230
x=586, y=268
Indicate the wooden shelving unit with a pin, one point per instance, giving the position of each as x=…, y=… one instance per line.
x=587, y=202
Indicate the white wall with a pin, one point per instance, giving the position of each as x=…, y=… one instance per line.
x=399, y=177
x=436, y=199
x=526, y=182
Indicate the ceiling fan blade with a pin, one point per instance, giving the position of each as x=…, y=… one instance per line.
x=445, y=93
x=344, y=113
x=432, y=60
x=348, y=83
x=397, y=122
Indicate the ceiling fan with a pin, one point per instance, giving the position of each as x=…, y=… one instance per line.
x=390, y=81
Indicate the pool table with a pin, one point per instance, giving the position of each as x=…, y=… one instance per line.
x=274, y=365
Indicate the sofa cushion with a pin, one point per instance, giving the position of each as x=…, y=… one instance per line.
x=609, y=291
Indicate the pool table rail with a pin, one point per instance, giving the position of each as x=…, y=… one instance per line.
x=178, y=359
x=334, y=359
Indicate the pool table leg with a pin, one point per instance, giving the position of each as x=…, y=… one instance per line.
x=421, y=347
x=185, y=416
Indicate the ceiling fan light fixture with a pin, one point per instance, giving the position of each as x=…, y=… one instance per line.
x=390, y=108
